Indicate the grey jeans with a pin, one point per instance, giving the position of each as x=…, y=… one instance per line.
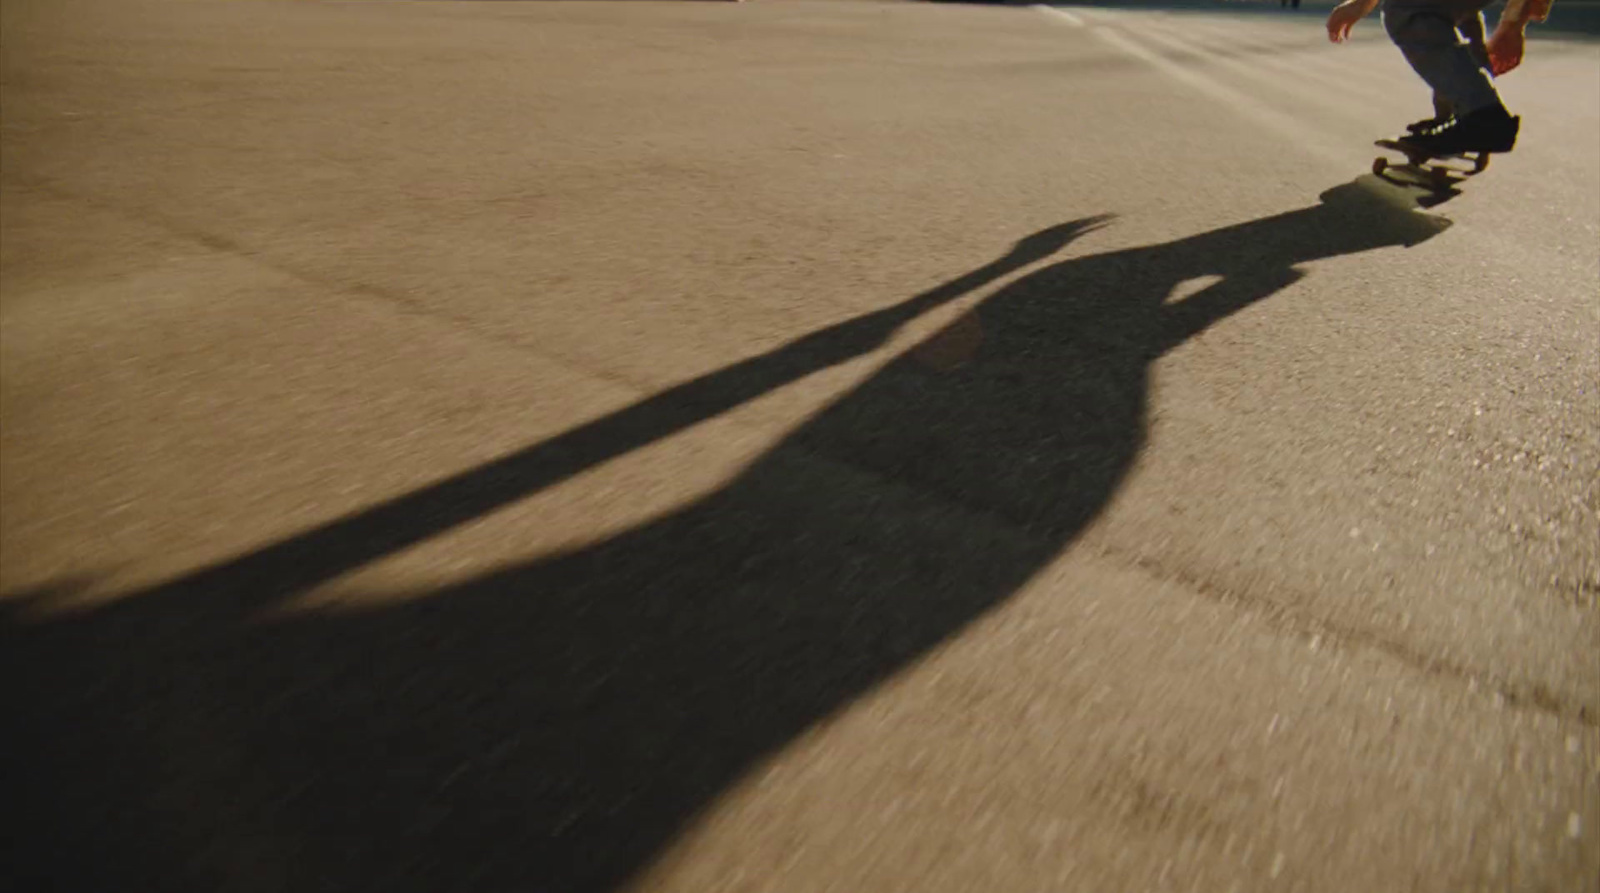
x=1444, y=42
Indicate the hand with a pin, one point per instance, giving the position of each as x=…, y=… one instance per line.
x=1505, y=47
x=1046, y=242
x=1345, y=16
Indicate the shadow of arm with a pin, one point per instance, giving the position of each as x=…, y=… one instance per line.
x=322, y=553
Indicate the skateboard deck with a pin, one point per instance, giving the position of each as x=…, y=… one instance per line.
x=1440, y=175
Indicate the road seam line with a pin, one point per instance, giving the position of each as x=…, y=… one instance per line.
x=1070, y=18
x=1280, y=124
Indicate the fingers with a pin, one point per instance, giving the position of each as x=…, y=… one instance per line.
x=1339, y=24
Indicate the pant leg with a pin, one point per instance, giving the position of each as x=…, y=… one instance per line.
x=1472, y=30
x=1425, y=31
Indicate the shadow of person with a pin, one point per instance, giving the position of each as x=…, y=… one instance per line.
x=553, y=725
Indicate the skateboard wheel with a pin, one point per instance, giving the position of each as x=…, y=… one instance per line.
x=1481, y=163
x=1379, y=165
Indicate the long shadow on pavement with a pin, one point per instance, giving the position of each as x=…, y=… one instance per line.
x=554, y=725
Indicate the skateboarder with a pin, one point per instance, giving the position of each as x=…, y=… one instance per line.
x=1469, y=116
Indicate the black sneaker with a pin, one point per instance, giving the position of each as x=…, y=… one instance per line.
x=1427, y=124
x=1491, y=129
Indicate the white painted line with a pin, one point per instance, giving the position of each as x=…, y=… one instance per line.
x=1281, y=125
x=1070, y=18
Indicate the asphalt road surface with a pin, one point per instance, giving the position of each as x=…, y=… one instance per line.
x=787, y=446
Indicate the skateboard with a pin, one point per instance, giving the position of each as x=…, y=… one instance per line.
x=1441, y=175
